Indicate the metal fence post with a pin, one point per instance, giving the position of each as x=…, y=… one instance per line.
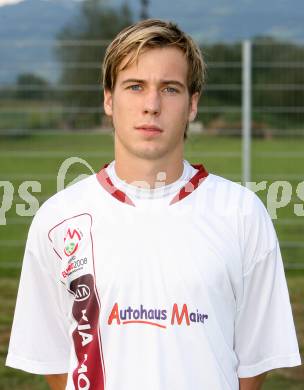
x=246, y=112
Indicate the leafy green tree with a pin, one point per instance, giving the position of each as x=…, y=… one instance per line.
x=278, y=80
x=277, y=83
x=226, y=62
x=31, y=87
x=81, y=47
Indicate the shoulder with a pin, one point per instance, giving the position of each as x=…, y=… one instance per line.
x=63, y=204
x=231, y=196
x=244, y=211
x=238, y=199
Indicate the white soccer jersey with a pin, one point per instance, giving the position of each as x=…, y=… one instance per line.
x=180, y=291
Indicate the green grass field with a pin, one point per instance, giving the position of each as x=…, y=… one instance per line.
x=39, y=157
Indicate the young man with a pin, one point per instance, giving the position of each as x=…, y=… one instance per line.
x=153, y=274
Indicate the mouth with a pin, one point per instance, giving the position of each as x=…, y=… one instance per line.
x=149, y=129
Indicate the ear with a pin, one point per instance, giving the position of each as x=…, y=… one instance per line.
x=193, y=106
x=108, y=102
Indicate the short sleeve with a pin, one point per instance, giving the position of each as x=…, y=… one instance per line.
x=265, y=336
x=39, y=341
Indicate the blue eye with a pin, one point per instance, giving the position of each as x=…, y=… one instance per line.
x=171, y=89
x=135, y=87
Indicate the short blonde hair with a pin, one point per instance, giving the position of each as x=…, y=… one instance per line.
x=152, y=33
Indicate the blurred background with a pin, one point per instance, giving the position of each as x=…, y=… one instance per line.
x=250, y=125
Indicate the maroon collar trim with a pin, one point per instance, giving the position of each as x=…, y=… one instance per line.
x=192, y=184
x=105, y=181
x=107, y=184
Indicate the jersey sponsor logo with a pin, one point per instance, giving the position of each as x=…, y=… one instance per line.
x=89, y=373
x=71, y=241
x=75, y=250
x=68, y=270
x=82, y=292
x=178, y=315
x=74, y=265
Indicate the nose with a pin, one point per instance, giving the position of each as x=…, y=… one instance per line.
x=152, y=103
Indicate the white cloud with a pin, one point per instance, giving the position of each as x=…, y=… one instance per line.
x=7, y=2
x=285, y=32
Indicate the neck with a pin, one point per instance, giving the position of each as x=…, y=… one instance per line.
x=148, y=173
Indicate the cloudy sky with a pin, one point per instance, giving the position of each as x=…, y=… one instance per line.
x=220, y=20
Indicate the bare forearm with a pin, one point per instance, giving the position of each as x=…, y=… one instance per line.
x=254, y=383
x=57, y=382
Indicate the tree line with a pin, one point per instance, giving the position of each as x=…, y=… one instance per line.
x=277, y=74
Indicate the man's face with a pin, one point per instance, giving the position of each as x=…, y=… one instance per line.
x=150, y=105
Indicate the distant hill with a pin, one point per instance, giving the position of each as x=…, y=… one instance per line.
x=207, y=21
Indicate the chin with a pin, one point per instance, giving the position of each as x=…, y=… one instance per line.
x=150, y=154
